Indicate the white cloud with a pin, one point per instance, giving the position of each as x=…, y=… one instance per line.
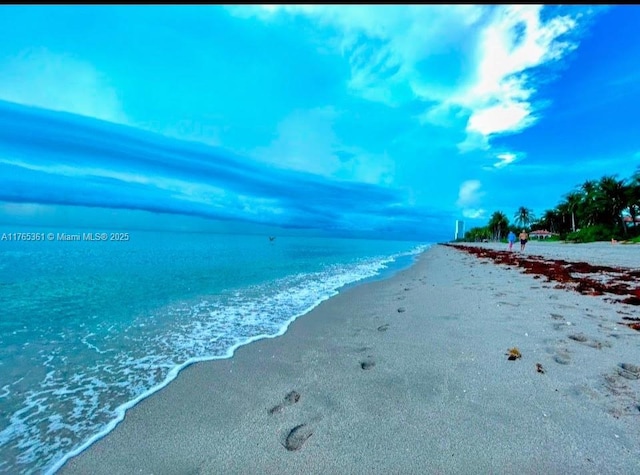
x=503, y=117
x=180, y=189
x=514, y=42
x=469, y=193
x=474, y=141
x=472, y=213
x=38, y=77
x=307, y=142
x=443, y=115
x=469, y=197
x=214, y=197
x=457, y=57
x=304, y=139
x=384, y=44
x=76, y=171
x=504, y=159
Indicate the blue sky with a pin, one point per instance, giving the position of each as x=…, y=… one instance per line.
x=347, y=120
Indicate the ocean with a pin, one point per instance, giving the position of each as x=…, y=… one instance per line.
x=90, y=327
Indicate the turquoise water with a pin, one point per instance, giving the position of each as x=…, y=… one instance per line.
x=89, y=328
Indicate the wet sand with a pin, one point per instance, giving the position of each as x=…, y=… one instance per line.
x=407, y=375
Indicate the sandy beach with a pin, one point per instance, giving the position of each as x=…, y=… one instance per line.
x=409, y=375
x=598, y=253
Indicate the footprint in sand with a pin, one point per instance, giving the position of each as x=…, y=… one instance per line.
x=290, y=399
x=559, y=322
x=297, y=437
x=582, y=338
x=629, y=371
x=579, y=337
x=368, y=363
x=598, y=345
x=559, y=326
x=562, y=356
x=561, y=305
x=616, y=383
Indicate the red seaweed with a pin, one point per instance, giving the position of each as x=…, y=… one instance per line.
x=633, y=326
x=582, y=277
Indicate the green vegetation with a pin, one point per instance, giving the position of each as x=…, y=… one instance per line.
x=596, y=232
x=523, y=217
x=596, y=210
x=498, y=225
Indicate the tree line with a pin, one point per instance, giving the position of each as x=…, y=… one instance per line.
x=596, y=210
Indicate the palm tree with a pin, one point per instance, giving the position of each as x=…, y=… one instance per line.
x=589, y=190
x=550, y=220
x=612, y=199
x=633, y=197
x=562, y=211
x=603, y=204
x=476, y=234
x=573, y=201
x=523, y=216
x=498, y=224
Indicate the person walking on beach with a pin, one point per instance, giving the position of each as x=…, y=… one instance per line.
x=524, y=237
x=511, y=238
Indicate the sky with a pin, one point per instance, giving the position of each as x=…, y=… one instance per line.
x=365, y=121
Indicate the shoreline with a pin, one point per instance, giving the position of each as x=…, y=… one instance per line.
x=406, y=261
x=369, y=401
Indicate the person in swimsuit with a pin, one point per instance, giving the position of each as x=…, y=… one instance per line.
x=524, y=237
